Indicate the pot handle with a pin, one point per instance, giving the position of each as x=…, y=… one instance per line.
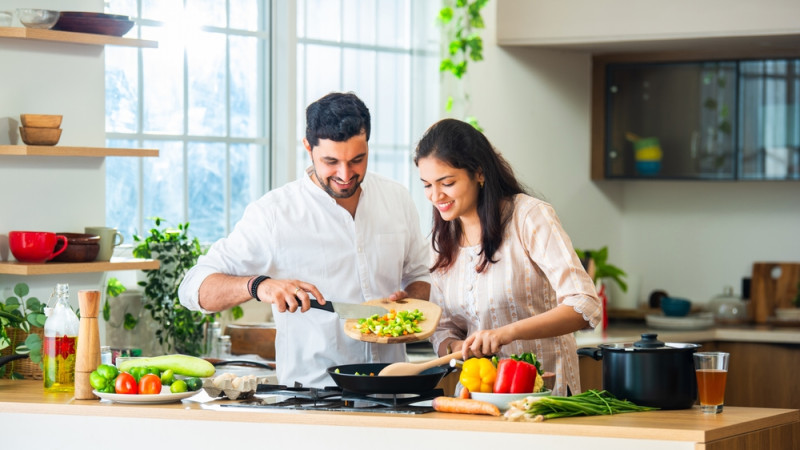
x=7, y=359
x=593, y=352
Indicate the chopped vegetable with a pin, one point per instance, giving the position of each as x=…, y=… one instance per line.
x=392, y=324
x=589, y=403
x=529, y=358
x=478, y=375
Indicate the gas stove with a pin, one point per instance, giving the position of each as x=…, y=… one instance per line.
x=333, y=398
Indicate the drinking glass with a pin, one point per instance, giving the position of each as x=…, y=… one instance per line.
x=711, y=369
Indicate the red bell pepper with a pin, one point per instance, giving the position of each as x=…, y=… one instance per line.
x=514, y=377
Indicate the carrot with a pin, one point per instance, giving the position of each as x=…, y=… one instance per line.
x=464, y=406
x=464, y=393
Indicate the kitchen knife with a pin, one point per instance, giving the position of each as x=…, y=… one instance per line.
x=349, y=310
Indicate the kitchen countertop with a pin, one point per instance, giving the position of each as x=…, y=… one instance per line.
x=70, y=423
x=627, y=332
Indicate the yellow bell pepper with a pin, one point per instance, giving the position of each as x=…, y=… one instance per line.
x=478, y=375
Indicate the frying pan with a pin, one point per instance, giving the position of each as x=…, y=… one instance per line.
x=347, y=379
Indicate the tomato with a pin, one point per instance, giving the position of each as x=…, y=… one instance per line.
x=150, y=384
x=178, y=386
x=125, y=384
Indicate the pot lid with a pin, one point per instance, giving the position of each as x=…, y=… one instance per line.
x=649, y=342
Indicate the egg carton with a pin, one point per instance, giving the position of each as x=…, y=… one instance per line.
x=232, y=387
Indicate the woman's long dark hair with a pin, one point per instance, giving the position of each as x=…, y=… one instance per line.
x=461, y=146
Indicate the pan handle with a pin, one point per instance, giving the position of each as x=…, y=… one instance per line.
x=592, y=352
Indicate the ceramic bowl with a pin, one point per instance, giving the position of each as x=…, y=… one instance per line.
x=41, y=120
x=675, y=307
x=37, y=18
x=81, y=247
x=502, y=401
x=40, y=136
x=34, y=246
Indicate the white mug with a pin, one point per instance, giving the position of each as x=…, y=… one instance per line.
x=109, y=238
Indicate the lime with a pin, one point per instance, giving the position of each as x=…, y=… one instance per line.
x=178, y=386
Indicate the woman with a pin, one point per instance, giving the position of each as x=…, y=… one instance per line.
x=504, y=270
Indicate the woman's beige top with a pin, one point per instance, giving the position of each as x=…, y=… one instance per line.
x=536, y=270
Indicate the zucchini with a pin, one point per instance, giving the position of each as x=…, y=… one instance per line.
x=189, y=366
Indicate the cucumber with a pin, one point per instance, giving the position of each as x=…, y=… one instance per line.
x=189, y=366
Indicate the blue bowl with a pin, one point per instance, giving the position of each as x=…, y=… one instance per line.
x=675, y=307
x=648, y=167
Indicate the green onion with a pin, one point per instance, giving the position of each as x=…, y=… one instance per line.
x=589, y=403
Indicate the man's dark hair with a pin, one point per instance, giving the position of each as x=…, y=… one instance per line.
x=336, y=116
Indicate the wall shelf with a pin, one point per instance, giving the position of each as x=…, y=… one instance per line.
x=73, y=38
x=50, y=268
x=55, y=150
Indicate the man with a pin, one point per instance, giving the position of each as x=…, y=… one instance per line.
x=339, y=233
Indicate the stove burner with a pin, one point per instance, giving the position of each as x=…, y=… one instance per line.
x=332, y=398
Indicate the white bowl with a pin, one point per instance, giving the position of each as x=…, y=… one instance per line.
x=38, y=18
x=502, y=400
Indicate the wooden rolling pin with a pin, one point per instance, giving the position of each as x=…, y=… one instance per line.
x=87, y=356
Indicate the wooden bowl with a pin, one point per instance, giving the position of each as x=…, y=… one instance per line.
x=40, y=136
x=41, y=120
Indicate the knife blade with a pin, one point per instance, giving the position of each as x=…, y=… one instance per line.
x=349, y=310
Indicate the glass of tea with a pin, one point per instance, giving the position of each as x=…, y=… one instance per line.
x=712, y=371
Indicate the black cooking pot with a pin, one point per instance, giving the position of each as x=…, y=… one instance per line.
x=649, y=372
x=345, y=377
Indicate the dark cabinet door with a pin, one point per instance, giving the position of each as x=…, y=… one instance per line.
x=699, y=120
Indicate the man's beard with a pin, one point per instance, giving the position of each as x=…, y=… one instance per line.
x=326, y=186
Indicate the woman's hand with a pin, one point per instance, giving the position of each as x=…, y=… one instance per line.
x=484, y=343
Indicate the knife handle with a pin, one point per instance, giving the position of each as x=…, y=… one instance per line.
x=328, y=306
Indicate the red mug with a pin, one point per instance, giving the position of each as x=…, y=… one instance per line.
x=35, y=246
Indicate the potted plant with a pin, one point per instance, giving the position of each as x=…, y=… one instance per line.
x=180, y=329
x=21, y=330
x=602, y=269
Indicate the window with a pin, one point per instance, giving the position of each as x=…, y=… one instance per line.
x=201, y=99
x=387, y=53
x=204, y=99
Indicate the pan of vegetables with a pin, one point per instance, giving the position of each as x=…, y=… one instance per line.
x=364, y=379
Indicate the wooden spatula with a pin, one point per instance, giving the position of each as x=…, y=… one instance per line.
x=407, y=368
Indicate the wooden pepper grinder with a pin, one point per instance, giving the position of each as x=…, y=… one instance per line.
x=87, y=356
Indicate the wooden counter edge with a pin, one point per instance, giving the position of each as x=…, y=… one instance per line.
x=684, y=425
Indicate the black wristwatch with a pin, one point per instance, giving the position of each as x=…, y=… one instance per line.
x=254, y=286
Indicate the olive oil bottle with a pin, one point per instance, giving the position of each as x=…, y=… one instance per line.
x=60, y=343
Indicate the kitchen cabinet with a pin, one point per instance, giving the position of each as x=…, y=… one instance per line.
x=691, y=116
x=633, y=25
x=13, y=34
x=24, y=407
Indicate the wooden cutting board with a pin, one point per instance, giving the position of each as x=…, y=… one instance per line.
x=773, y=285
x=430, y=311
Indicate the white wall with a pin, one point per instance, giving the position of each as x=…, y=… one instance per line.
x=689, y=238
x=51, y=193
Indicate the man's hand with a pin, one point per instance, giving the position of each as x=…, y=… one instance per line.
x=289, y=294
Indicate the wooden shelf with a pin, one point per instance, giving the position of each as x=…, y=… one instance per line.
x=73, y=38
x=18, y=268
x=55, y=150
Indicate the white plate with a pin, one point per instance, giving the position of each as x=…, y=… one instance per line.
x=149, y=399
x=502, y=400
x=691, y=322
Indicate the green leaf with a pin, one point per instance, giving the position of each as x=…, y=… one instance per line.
x=21, y=290
x=114, y=287
x=130, y=322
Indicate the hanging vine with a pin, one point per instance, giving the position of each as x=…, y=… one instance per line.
x=461, y=22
